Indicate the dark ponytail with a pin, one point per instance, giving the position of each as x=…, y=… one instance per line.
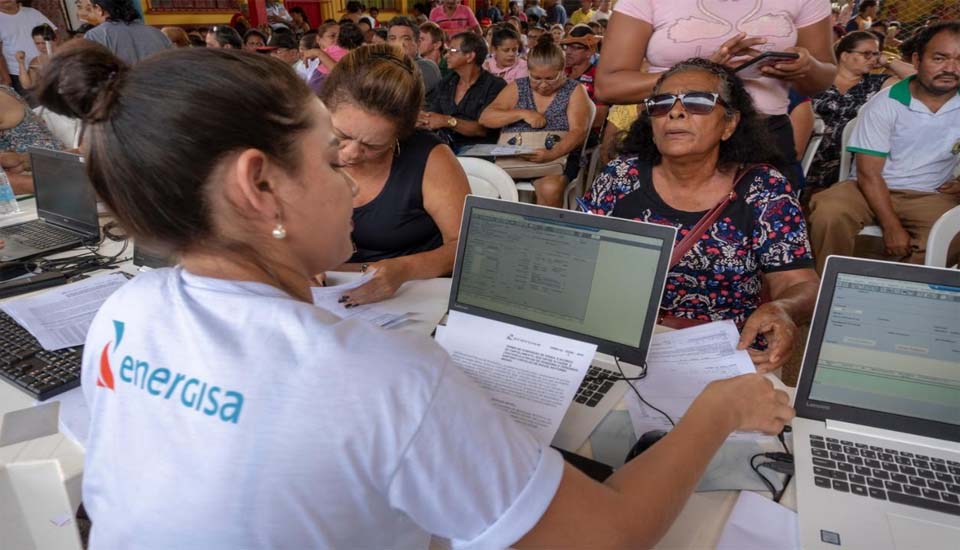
x=155, y=134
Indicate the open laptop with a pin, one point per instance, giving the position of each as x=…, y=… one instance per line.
x=66, y=209
x=877, y=433
x=147, y=256
x=585, y=277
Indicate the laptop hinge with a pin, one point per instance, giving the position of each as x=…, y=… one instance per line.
x=899, y=437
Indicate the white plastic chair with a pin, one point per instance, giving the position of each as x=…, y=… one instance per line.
x=66, y=129
x=489, y=180
x=941, y=234
x=575, y=187
x=813, y=144
x=846, y=162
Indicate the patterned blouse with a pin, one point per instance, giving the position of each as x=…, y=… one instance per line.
x=31, y=132
x=763, y=231
x=837, y=110
x=556, y=113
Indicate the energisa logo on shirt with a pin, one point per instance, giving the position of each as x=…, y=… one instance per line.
x=161, y=382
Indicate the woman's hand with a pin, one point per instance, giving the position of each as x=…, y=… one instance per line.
x=21, y=56
x=387, y=276
x=539, y=156
x=433, y=121
x=736, y=47
x=791, y=70
x=777, y=328
x=534, y=119
x=751, y=401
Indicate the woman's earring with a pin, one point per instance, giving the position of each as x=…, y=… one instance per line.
x=397, y=150
x=279, y=231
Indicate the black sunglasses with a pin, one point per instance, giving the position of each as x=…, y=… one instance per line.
x=695, y=103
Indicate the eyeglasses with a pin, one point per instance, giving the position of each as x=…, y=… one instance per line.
x=580, y=47
x=454, y=50
x=867, y=55
x=556, y=77
x=695, y=103
x=548, y=143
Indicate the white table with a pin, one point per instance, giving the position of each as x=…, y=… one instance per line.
x=698, y=526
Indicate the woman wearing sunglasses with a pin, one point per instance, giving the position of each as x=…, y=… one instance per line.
x=546, y=101
x=699, y=155
x=858, y=53
x=665, y=33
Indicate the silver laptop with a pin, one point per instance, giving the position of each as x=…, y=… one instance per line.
x=877, y=433
x=66, y=209
x=585, y=277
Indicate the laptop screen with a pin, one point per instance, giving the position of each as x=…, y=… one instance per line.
x=891, y=346
x=64, y=195
x=563, y=272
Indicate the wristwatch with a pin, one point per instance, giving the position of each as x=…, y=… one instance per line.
x=452, y=122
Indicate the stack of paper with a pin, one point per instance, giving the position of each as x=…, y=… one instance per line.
x=532, y=376
x=60, y=317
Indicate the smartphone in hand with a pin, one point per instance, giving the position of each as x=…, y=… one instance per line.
x=751, y=68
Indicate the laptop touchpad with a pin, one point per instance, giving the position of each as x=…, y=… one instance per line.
x=917, y=533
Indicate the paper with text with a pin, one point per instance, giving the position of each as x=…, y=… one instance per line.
x=60, y=317
x=328, y=298
x=532, y=376
x=680, y=364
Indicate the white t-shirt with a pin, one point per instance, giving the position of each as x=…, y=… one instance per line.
x=921, y=148
x=16, y=31
x=305, y=68
x=228, y=415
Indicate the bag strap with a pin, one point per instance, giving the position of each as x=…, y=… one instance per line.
x=708, y=219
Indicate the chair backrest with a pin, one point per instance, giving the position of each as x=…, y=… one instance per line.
x=66, y=129
x=941, y=234
x=489, y=180
x=812, y=145
x=846, y=157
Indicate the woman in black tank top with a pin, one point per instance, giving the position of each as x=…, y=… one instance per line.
x=410, y=187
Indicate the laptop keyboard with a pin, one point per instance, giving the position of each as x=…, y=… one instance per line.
x=595, y=385
x=25, y=364
x=39, y=235
x=886, y=474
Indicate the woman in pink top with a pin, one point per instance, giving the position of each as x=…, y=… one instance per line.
x=727, y=32
x=505, y=61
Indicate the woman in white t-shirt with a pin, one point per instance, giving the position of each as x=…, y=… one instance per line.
x=726, y=32
x=229, y=412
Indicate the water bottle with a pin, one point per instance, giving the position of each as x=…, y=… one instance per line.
x=8, y=201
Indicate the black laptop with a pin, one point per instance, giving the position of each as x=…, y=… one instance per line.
x=66, y=209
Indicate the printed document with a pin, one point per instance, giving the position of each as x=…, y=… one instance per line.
x=328, y=298
x=680, y=364
x=60, y=317
x=530, y=375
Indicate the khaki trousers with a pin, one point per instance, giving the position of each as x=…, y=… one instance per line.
x=838, y=213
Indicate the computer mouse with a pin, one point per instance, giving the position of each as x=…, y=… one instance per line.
x=645, y=442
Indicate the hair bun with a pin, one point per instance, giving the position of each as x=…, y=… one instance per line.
x=82, y=81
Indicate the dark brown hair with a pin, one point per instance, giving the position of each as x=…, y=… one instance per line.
x=851, y=41
x=379, y=79
x=155, y=134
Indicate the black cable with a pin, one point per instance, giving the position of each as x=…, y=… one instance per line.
x=643, y=374
x=766, y=481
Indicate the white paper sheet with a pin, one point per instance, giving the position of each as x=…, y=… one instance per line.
x=60, y=317
x=680, y=364
x=530, y=375
x=495, y=150
x=758, y=523
x=328, y=298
